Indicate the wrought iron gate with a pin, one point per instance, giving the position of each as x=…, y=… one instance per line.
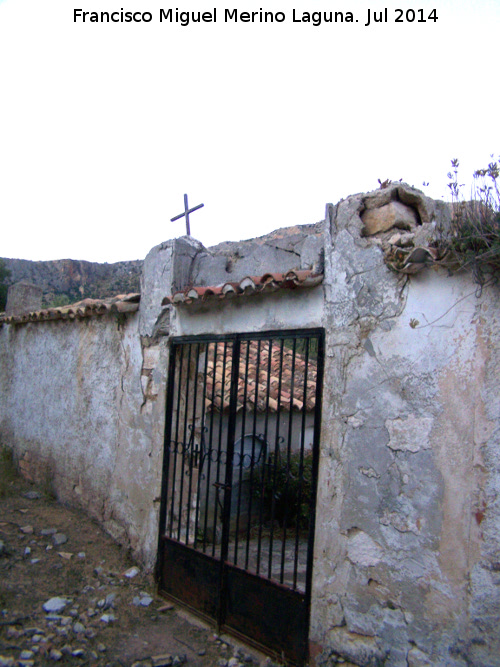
x=239, y=482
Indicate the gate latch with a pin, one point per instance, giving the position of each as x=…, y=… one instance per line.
x=220, y=485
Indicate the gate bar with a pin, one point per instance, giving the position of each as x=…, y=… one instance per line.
x=191, y=448
x=301, y=463
x=254, y=428
x=320, y=361
x=242, y=440
x=277, y=453
x=166, y=463
x=233, y=397
x=263, y=472
x=255, y=335
x=209, y=453
x=288, y=461
x=201, y=453
x=184, y=438
x=219, y=447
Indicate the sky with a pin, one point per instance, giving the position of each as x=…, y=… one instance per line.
x=104, y=126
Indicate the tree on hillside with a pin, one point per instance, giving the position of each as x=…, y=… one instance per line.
x=4, y=274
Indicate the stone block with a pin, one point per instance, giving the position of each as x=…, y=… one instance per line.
x=186, y=250
x=427, y=209
x=23, y=298
x=393, y=214
x=151, y=357
x=362, y=651
x=156, y=283
x=417, y=658
x=168, y=267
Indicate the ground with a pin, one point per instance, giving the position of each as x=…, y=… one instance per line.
x=109, y=619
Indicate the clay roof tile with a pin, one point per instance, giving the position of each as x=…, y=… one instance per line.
x=128, y=303
x=256, y=388
x=268, y=282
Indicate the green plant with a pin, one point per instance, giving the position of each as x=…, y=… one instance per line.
x=59, y=300
x=473, y=237
x=286, y=489
x=8, y=472
x=4, y=274
x=47, y=485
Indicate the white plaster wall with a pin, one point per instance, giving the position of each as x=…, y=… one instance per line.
x=156, y=281
x=407, y=542
x=285, y=309
x=82, y=402
x=74, y=411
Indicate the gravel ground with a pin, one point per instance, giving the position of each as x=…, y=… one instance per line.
x=70, y=595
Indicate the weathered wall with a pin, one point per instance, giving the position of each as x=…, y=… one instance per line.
x=295, y=310
x=407, y=553
x=82, y=400
x=281, y=250
x=407, y=550
x=78, y=406
x=175, y=264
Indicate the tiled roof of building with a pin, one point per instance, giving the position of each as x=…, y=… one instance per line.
x=261, y=390
x=123, y=303
x=269, y=282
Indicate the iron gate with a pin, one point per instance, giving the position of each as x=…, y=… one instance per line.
x=239, y=482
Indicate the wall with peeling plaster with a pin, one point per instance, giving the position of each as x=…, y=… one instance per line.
x=81, y=406
x=407, y=550
x=407, y=546
x=82, y=401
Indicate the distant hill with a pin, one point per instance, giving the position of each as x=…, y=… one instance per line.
x=68, y=280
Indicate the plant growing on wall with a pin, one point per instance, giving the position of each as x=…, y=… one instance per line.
x=473, y=238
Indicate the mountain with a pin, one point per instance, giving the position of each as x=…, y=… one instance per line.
x=68, y=280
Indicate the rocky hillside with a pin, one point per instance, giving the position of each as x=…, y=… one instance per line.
x=68, y=280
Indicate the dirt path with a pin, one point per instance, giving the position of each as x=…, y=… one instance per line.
x=104, y=617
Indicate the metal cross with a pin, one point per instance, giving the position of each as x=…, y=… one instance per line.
x=186, y=213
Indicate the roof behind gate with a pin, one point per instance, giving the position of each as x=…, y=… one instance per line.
x=272, y=376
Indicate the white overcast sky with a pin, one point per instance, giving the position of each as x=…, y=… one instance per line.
x=104, y=127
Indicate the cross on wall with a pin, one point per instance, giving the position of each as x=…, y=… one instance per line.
x=186, y=213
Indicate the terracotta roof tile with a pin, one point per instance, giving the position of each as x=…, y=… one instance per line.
x=254, y=394
x=268, y=282
x=413, y=260
x=123, y=303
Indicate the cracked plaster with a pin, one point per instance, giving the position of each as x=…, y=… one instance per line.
x=411, y=407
